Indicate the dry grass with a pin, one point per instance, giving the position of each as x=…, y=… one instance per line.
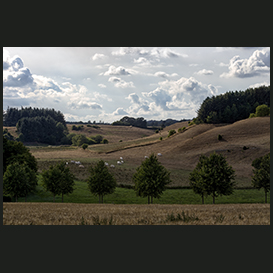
x=108, y=214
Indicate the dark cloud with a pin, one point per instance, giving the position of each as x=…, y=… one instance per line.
x=18, y=78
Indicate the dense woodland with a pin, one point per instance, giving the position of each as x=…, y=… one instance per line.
x=128, y=121
x=37, y=125
x=13, y=115
x=232, y=106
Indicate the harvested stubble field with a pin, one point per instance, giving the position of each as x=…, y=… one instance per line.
x=153, y=214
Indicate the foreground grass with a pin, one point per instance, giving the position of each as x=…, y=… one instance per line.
x=81, y=194
x=155, y=214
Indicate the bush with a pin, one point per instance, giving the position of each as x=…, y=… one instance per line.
x=84, y=146
x=180, y=130
x=160, y=138
x=105, y=141
x=98, y=139
x=220, y=137
x=171, y=132
x=262, y=110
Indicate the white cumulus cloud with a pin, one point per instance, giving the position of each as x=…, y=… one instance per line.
x=118, y=82
x=204, y=72
x=257, y=64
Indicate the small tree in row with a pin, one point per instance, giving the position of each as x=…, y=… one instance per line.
x=100, y=181
x=212, y=176
x=58, y=180
x=19, y=180
x=151, y=178
x=261, y=174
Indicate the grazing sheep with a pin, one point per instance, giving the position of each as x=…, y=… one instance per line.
x=119, y=163
x=112, y=166
x=121, y=158
x=72, y=161
x=159, y=154
x=146, y=156
x=78, y=162
x=81, y=166
x=122, y=161
x=66, y=163
x=106, y=164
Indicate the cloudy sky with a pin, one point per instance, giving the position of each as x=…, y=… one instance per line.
x=94, y=83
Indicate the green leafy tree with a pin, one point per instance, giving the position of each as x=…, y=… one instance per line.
x=84, y=146
x=14, y=151
x=151, y=178
x=212, y=176
x=171, y=132
x=261, y=174
x=100, y=181
x=19, y=180
x=58, y=180
x=262, y=111
x=66, y=180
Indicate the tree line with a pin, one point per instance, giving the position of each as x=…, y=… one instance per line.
x=212, y=176
x=232, y=106
x=130, y=121
x=13, y=115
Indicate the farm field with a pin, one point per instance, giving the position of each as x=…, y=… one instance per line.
x=127, y=214
x=180, y=152
x=81, y=194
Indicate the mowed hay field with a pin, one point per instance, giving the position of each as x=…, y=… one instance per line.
x=153, y=214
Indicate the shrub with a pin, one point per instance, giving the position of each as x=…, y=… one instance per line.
x=84, y=146
x=262, y=110
x=120, y=140
x=104, y=141
x=220, y=137
x=160, y=138
x=171, y=132
x=252, y=115
x=180, y=130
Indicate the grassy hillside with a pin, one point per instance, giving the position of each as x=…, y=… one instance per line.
x=180, y=152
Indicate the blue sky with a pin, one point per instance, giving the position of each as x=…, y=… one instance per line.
x=107, y=83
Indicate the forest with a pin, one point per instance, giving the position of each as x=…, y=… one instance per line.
x=232, y=106
x=37, y=125
x=128, y=121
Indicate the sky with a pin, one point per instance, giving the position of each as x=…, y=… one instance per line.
x=107, y=83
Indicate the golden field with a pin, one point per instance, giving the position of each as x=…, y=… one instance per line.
x=125, y=214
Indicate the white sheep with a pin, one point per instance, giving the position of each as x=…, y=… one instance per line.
x=119, y=163
x=121, y=158
x=146, y=156
x=106, y=164
x=72, y=161
x=159, y=154
x=66, y=163
x=112, y=166
x=78, y=162
x=81, y=166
